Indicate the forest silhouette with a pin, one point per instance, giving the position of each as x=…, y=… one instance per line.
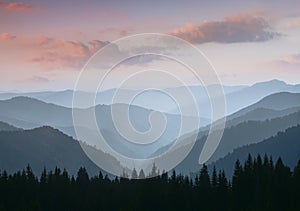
x=257, y=184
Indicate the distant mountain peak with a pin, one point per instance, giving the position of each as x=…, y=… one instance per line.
x=274, y=82
x=24, y=98
x=45, y=127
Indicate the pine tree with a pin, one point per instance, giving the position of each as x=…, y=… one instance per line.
x=214, y=179
x=282, y=176
x=248, y=167
x=100, y=175
x=124, y=174
x=296, y=186
x=43, y=178
x=238, y=170
x=154, y=171
x=204, y=180
x=29, y=175
x=134, y=174
x=141, y=174
x=82, y=177
x=266, y=161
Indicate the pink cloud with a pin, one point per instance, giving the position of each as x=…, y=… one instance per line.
x=7, y=36
x=38, y=79
x=240, y=28
x=44, y=40
x=293, y=59
x=285, y=63
x=15, y=6
x=58, y=53
x=1, y=4
x=123, y=32
x=293, y=24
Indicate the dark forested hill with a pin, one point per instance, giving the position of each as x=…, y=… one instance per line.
x=253, y=132
x=7, y=127
x=285, y=145
x=237, y=136
x=43, y=147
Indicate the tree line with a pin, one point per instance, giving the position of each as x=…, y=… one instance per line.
x=257, y=184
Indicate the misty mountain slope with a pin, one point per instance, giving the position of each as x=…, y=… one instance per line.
x=237, y=136
x=19, y=123
x=261, y=114
x=237, y=97
x=285, y=145
x=253, y=132
x=237, y=100
x=277, y=101
x=29, y=113
x=270, y=107
x=244, y=97
x=64, y=98
x=7, y=127
x=34, y=112
x=43, y=147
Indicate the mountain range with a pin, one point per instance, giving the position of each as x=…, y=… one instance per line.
x=41, y=133
x=244, y=129
x=237, y=97
x=29, y=113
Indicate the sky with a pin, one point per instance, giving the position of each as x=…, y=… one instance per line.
x=44, y=44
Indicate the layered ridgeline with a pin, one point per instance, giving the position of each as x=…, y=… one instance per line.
x=285, y=145
x=45, y=147
x=270, y=107
x=28, y=113
x=247, y=127
x=241, y=98
x=252, y=124
x=237, y=97
x=64, y=98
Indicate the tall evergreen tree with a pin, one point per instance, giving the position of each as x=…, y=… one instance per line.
x=204, y=180
x=214, y=179
x=134, y=174
x=141, y=174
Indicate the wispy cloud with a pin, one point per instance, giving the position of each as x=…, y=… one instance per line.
x=293, y=24
x=6, y=36
x=38, y=79
x=293, y=59
x=55, y=53
x=44, y=40
x=239, y=28
x=16, y=6
x=123, y=32
x=287, y=64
